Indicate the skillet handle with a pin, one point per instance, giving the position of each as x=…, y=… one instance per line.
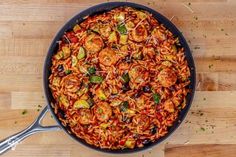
x=35, y=127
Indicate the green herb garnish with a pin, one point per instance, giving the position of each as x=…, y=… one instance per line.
x=95, y=79
x=122, y=29
x=67, y=72
x=156, y=98
x=125, y=77
x=91, y=70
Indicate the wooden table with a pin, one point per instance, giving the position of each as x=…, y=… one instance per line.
x=27, y=28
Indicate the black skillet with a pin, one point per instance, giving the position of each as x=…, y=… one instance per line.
x=37, y=127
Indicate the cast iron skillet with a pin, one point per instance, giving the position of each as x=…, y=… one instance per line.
x=37, y=127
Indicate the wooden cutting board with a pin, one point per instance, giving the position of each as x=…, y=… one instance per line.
x=27, y=28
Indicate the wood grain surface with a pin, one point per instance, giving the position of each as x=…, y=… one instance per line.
x=27, y=28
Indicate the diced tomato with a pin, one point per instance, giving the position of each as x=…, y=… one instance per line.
x=71, y=36
x=122, y=142
x=159, y=116
x=74, y=39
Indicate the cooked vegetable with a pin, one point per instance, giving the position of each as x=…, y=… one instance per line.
x=121, y=29
x=91, y=70
x=130, y=25
x=56, y=81
x=96, y=28
x=171, y=58
x=81, y=104
x=124, y=106
x=129, y=111
x=59, y=55
x=125, y=77
x=174, y=48
x=138, y=55
x=66, y=52
x=101, y=95
x=82, y=91
x=112, y=38
x=156, y=98
x=130, y=143
x=76, y=28
x=116, y=103
x=74, y=61
x=123, y=39
x=95, y=79
x=81, y=53
x=119, y=16
x=67, y=72
x=82, y=70
x=64, y=101
x=167, y=63
x=104, y=125
x=141, y=15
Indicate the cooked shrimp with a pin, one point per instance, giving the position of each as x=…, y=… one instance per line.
x=103, y=111
x=107, y=57
x=169, y=106
x=141, y=104
x=93, y=43
x=142, y=122
x=72, y=83
x=167, y=77
x=85, y=116
x=139, y=34
x=137, y=74
x=105, y=31
x=149, y=51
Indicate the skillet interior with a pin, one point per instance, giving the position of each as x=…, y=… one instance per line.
x=100, y=9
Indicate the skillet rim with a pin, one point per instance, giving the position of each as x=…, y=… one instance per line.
x=103, y=7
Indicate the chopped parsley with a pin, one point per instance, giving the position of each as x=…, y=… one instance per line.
x=210, y=66
x=68, y=72
x=202, y=129
x=24, y=112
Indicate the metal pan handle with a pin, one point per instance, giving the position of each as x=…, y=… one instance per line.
x=35, y=127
